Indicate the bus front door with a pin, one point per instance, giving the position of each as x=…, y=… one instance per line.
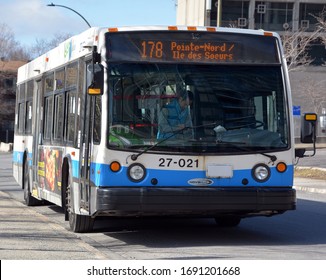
x=85, y=155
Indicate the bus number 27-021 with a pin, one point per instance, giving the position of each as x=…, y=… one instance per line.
x=184, y=163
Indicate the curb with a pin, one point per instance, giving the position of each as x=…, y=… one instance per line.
x=310, y=189
x=310, y=168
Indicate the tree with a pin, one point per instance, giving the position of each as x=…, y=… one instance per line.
x=42, y=46
x=296, y=48
x=297, y=44
x=10, y=49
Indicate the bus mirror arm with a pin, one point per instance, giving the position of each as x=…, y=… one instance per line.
x=96, y=56
x=97, y=72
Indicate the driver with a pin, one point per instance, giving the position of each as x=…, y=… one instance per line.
x=174, y=120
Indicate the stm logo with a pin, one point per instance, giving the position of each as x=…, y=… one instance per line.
x=200, y=182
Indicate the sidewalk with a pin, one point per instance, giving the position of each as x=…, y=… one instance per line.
x=310, y=185
x=26, y=234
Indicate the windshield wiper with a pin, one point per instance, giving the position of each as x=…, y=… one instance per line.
x=135, y=156
x=273, y=158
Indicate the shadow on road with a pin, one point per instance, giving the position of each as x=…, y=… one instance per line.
x=301, y=227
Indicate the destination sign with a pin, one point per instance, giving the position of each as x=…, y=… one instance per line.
x=188, y=51
x=189, y=47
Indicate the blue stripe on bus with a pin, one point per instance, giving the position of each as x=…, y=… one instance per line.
x=101, y=175
x=17, y=158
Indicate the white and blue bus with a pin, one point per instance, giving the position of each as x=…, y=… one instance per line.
x=87, y=127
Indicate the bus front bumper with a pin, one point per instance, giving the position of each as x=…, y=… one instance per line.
x=149, y=201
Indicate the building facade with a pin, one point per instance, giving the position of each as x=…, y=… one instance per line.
x=8, y=75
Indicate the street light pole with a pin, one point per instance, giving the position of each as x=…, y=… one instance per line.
x=55, y=5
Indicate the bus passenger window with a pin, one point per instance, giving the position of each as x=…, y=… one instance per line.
x=48, y=117
x=28, y=117
x=97, y=120
x=71, y=75
x=49, y=83
x=71, y=113
x=59, y=79
x=58, y=120
x=21, y=117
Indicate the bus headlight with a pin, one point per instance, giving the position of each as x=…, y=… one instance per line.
x=136, y=172
x=261, y=173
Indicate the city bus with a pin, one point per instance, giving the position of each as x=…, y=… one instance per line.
x=87, y=125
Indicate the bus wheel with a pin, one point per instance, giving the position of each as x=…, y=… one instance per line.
x=228, y=221
x=77, y=223
x=29, y=199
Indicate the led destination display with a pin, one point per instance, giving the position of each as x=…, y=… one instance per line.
x=187, y=51
x=189, y=47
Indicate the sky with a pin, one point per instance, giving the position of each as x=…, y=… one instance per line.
x=33, y=19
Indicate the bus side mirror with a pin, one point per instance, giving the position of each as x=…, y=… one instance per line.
x=308, y=133
x=308, y=128
x=97, y=74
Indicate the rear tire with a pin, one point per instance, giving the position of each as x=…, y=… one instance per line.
x=77, y=223
x=29, y=199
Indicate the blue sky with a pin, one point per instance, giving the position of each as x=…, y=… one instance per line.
x=32, y=19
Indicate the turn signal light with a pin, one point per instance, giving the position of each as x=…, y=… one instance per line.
x=115, y=166
x=310, y=117
x=281, y=167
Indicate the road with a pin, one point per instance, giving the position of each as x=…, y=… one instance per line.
x=41, y=233
x=319, y=160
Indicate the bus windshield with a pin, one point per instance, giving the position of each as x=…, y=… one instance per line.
x=226, y=108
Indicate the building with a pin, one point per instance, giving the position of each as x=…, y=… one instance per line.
x=282, y=16
x=8, y=74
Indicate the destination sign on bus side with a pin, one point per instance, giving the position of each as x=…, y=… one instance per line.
x=187, y=51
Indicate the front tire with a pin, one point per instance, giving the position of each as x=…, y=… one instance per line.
x=77, y=223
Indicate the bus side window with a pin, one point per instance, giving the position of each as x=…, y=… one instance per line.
x=97, y=120
x=29, y=107
x=59, y=118
x=28, y=117
x=21, y=109
x=21, y=117
x=48, y=117
x=71, y=115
